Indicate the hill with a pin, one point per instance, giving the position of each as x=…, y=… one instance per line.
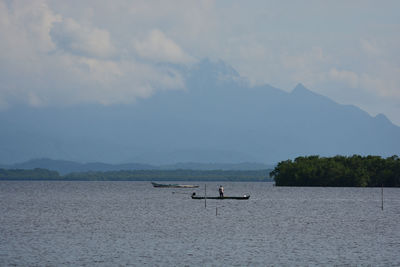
x=218, y=118
x=64, y=167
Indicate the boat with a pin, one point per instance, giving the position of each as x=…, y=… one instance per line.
x=173, y=185
x=244, y=197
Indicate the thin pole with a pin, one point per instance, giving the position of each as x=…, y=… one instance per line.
x=216, y=211
x=382, y=197
x=205, y=196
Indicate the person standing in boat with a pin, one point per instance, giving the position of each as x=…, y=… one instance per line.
x=221, y=191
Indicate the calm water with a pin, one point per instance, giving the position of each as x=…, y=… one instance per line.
x=132, y=223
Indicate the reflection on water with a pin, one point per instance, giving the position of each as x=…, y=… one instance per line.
x=132, y=223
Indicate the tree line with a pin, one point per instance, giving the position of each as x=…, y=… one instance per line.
x=138, y=175
x=33, y=174
x=354, y=171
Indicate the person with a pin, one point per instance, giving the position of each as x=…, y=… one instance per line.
x=221, y=191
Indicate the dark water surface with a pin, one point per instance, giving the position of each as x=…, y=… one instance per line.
x=132, y=223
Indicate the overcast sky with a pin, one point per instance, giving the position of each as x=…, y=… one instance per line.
x=56, y=53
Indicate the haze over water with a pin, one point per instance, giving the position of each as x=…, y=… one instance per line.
x=132, y=223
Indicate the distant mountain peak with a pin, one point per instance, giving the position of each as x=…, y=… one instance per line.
x=301, y=91
x=216, y=72
x=300, y=88
x=383, y=119
x=381, y=116
x=219, y=67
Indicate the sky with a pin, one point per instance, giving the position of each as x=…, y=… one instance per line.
x=64, y=53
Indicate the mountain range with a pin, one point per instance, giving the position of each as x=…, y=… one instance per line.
x=65, y=166
x=218, y=118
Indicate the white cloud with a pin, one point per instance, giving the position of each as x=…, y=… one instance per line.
x=49, y=59
x=157, y=47
x=370, y=47
x=308, y=67
x=25, y=27
x=385, y=83
x=378, y=74
x=87, y=41
x=348, y=77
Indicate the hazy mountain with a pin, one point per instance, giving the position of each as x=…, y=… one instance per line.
x=216, y=166
x=218, y=118
x=64, y=166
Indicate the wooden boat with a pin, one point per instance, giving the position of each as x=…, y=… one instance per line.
x=244, y=197
x=173, y=185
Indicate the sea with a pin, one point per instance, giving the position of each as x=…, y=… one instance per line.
x=98, y=223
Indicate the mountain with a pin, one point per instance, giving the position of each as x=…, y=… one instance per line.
x=244, y=166
x=65, y=167
x=218, y=118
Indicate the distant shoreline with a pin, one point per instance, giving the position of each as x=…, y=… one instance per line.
x=116, y=180
x=137, y=175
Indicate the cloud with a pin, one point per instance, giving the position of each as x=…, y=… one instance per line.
x=25, y=27
x=66, y=52
x=25, y=43
x=348, y=77
x=158, y=48
x=308, y=67
x=378, y=73
x=47, y=59
x=385, y=83
x=370, y=47
x=87, y=41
